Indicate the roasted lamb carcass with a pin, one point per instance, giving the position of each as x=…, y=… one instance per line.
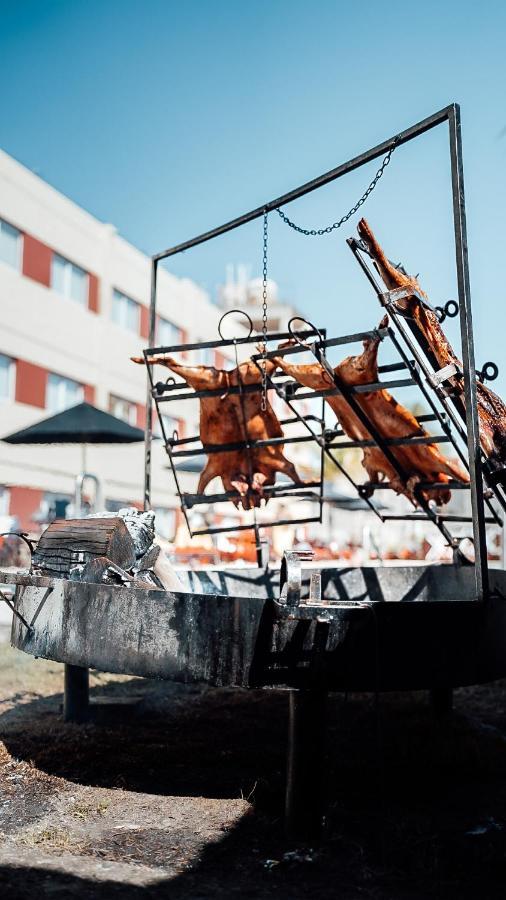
x=419, y=462
x=491, y=409
x=227, y=419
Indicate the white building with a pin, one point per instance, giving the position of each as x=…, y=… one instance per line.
x=75, y=301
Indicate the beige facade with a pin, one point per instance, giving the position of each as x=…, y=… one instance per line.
x=74, y=297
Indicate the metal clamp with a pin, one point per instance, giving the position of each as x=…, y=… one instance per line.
x=442, y=375
x=161, y=386
x=290, y=580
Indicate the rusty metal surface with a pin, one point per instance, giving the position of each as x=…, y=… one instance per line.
x=383, y=628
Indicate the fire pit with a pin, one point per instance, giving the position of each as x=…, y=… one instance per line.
x=428, y=627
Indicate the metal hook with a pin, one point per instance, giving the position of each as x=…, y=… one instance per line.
x=449, y=310
x=239, y=312
x=488, y=372
x=161, y=385
x=297, y=338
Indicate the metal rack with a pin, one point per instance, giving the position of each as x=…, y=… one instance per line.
x=426, y=370
x=191, y=446
x=450, y=115
x=417, y=372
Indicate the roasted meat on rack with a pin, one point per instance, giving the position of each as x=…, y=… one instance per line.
x=418, y=462
x=491, y=409
x=233, y=418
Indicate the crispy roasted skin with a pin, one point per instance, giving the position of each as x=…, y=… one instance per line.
x=491, y=409
x=420, y=462
x=222, y=421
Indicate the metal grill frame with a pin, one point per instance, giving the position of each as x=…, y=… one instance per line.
x=180, y=391
x=450, y=115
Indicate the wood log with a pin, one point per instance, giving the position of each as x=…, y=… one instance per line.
x=71, y=542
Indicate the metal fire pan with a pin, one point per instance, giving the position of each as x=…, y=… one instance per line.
x=378, y=628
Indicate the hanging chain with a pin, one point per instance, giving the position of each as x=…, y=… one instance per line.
x=352, y=211
x=264, y=314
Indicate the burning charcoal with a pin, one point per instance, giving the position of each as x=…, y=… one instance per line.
x=149, y=559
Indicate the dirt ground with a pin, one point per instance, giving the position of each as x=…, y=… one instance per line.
x=180, y=795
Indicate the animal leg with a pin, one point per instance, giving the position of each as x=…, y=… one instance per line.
x=210, y=471
x=281, y=464
x=198, y=377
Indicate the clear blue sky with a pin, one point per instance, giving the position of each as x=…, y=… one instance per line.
x=168, y=118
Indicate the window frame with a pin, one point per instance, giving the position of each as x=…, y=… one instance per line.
x=120, y=295
x=67, y=280
x=11, y=379
x=132, y=409
x=19, y=248
x=162, y=321
x=64, y=379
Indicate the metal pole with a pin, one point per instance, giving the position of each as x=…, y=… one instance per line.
x=304, y=801
x=466, y=330
x=76, y=696
x=148, y=437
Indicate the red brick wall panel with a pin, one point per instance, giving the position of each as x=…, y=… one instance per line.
x=31, y=381
x=141, y=415
x=144, y=322
x=93, y=293
x=24, y=502
x=89, y=393
x=37, y=260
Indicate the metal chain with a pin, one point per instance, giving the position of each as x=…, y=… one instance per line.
x=264, y=314
x=352, y=211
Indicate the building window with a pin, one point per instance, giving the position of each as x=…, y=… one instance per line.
x=7, y=371
x=10, y=245
x=123, y=409
x=61, y=393
x=69, y=280
x=167, y=334
x=125, y=311
x=170, y=425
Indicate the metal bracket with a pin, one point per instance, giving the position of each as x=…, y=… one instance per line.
x=290, y=580
x=438, y=378
x=14, y=611
x=388, y=298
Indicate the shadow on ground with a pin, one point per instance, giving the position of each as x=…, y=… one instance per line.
x=417, y=806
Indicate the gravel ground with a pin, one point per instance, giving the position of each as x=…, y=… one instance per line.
x=180, y=794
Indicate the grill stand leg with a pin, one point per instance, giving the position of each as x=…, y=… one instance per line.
x=441, y=700
x=304, y=801
x=76, y=698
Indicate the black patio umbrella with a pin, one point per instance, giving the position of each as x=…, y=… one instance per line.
x=81, y=424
